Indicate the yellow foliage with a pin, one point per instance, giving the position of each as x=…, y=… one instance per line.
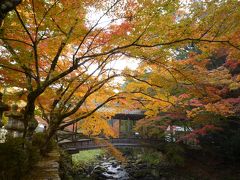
x=96, y=125
x=234, y=86
x=219, y=108
x=238, y=78
x=194, y=112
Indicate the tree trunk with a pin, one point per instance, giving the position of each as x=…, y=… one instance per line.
x=28, y=113
x=6, y=6
x=51, y=132
x=30, y=122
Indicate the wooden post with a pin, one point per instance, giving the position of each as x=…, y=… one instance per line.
x=72, y=132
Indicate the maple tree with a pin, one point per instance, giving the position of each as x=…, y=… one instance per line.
x=196, y=75
x=51, y=55
x=39, y=54
x=195, y=97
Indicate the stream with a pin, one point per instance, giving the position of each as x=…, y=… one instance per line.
x=140, y=163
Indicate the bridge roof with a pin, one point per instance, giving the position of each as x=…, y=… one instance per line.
x=123, y=116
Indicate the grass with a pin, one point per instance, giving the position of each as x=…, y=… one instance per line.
x=87, y=156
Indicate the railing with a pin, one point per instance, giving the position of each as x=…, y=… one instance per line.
x=85, y=144
x=69, y=136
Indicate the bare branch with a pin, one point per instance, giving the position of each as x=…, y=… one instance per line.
x=186, y=40
x=153, y=97
x=46, y=13
x=91, y=29
x=23, y=25
x=60, y=49
x=43, y=111
x=84, y=80
x=91, y=91
x=16, y=40
x=11, y=68
x=144, y=81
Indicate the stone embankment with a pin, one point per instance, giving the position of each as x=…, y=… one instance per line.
x=47, y=168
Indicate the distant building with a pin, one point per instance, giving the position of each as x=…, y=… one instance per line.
x=123, y=123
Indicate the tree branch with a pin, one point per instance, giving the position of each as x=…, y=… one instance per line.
x=185, y=40
x=89, y=113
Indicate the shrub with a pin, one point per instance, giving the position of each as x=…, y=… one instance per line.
x=16, y=157
x=153, y=158
x=66, y=167
x=174, y=154
x=224, y=143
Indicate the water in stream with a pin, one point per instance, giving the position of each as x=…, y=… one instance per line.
x=113, y=170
